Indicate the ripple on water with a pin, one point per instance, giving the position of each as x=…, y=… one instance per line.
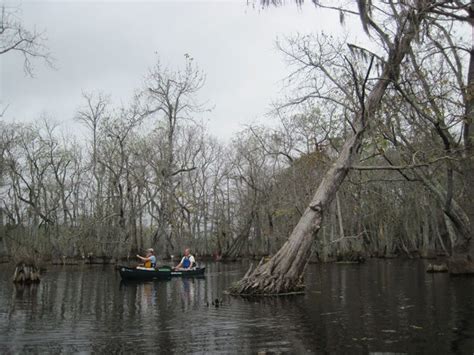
x=378, y=307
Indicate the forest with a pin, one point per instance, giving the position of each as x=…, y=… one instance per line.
x=369, y=154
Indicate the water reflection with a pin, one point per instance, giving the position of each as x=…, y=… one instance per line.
x=383, y=306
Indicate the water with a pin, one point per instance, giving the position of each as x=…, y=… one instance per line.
x=381, y=306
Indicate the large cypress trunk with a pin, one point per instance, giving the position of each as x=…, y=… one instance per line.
x=283, y=273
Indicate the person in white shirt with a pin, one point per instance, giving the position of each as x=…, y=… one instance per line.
x=187, y=262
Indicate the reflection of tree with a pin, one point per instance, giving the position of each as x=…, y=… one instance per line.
x=85, y=310
x=188, y=293
x=22, y=292
x=147, y=298
x=462, y=324
x=165, y=314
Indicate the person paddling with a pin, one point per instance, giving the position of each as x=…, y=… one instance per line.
x=150, y=259
x=187, y=262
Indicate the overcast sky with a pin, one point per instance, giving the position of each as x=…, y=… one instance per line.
x=108, y=46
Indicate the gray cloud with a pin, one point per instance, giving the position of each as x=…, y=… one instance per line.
x=108, y=46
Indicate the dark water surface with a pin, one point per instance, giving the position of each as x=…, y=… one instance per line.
x=381, y=306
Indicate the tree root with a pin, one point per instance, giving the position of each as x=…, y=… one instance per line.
x=26, y=273
x=261, y=282
x=249, y=295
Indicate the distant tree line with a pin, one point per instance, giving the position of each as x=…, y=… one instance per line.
x=149, y=174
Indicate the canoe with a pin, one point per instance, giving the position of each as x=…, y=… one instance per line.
x=160, y=273
x=131, y=273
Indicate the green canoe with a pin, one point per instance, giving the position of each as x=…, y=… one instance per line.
x=159, y=273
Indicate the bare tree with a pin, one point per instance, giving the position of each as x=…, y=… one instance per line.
x=15, y=38
x=171, y=96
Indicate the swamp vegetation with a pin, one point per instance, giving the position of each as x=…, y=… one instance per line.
x=371, y=156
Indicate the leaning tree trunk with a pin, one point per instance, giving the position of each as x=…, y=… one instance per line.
x=283, y=273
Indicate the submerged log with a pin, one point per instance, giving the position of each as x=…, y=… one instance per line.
x=26, y=273
x=437, y=268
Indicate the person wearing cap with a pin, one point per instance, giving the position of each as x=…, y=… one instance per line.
x=150, y=259
x=187, y=262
